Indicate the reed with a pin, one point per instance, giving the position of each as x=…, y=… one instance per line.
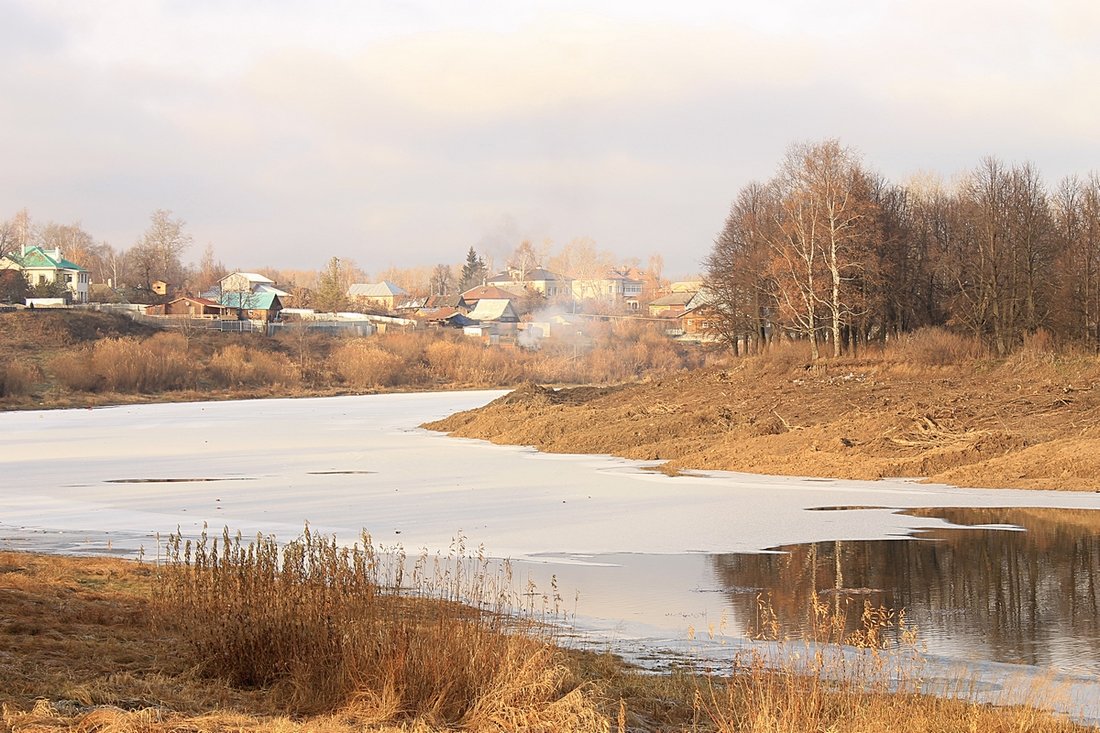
x=353, y=628
x=16, y=378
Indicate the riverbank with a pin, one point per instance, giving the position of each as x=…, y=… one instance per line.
x=85, y=646
x=67, y=359
x=1031, y=421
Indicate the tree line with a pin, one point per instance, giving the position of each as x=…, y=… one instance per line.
x=830, y=252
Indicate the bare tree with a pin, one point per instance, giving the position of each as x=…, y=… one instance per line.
x=157, y=254
x=443, y=280
x=17, y=233
x=742, y=298
x=209, y=272
x=525, y=258
x=1077, y=222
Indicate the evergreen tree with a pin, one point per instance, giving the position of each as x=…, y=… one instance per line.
x=473, y=272
x=331, y=293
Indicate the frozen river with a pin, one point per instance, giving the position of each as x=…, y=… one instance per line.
x=645, y=559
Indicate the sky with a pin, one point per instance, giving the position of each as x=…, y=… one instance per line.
x=402, y=133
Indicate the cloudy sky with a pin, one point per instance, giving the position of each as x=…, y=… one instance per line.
x=400, y=133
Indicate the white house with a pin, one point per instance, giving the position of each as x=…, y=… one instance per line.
x=539, y=280
x=249, y=282
x=42, y=266
x=384, y=294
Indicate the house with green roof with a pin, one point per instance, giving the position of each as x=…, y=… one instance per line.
x=253, y=306
x=41, y=266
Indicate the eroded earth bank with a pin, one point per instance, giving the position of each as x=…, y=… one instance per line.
x=1032, y=421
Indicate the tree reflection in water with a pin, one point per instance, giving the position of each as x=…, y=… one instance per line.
x=997, y=594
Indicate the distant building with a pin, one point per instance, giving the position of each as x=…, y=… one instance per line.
x=41, y=266
x=494, y=310
x=382, y=295
x=537, y=280
x=249, y=282
x=252, y=306
x=189, y=307
x=487, y=292
x=615, y=286
x=673, y=302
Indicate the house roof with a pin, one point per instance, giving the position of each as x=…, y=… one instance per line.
x=263, y=288
x=252, y=301
x=252, y=277
x=36, y=258
x=487, y=292
x=537, y=273
x=445, y=301
x=493, y=309
x=200, y=301
x=384, y=289
x=675, y=299
x=411, y=304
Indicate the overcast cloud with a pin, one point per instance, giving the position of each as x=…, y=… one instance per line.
x=401, y=133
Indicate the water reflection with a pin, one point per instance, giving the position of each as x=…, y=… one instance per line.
x=1002, y=594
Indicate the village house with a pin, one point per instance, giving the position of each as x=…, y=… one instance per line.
x=252, y=306
x=487, y=292
x=380, y=295
x=189, y=307
x=494, y=310
x=538, y=280
x=42, y=266
x=673, y=303
x=249, y=282
x=616, y=286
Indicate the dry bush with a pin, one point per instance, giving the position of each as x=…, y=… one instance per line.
x=241, y=366
x=328, y=627
x=17, y=378
x=363, y=364
x=408, y=346
x=74, y=370
x=935, y=347
x=135, y=365
x=781, y=357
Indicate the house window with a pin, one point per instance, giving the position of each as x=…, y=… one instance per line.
x=41, y=279
x=68, y=277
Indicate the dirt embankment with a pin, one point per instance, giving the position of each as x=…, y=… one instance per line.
x=1029, y=422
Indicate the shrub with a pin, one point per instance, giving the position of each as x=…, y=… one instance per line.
x=132, y=365
x=362, y=364
x=74, y=370
x=241, y=366
x=933, y=347
x=16, y=378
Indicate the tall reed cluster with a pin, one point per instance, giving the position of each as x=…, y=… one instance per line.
x=16, y=378
x=369, y=633
x=126, y=364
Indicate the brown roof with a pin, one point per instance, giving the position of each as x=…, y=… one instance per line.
x=202, y=301
x=487, y=292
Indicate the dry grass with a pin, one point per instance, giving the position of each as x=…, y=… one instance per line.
x=239, y=366
x=365, y=364
x=330, y=628
x=82, y=649
x=125, y=365
x=17, y=378
x=89, y=359
x=936, y=347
